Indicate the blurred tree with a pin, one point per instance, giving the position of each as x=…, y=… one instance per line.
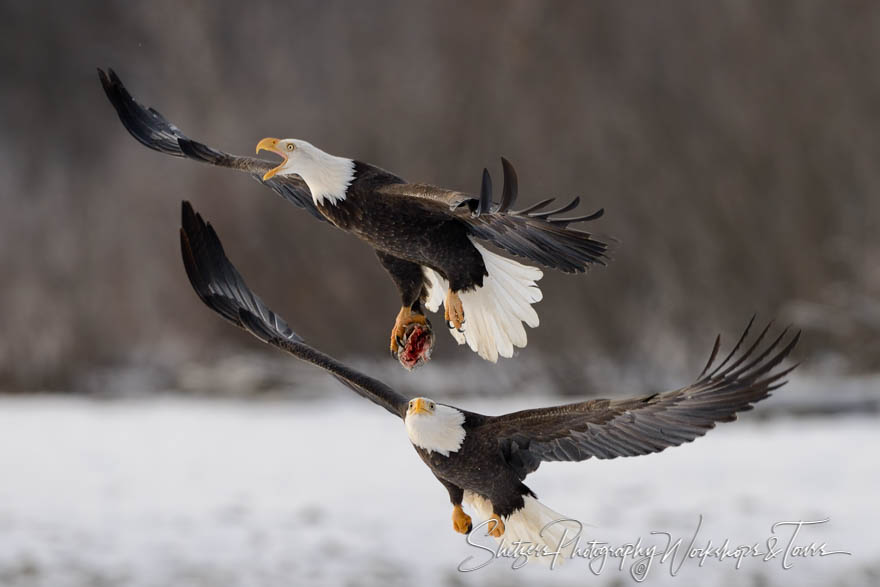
x=733, y=145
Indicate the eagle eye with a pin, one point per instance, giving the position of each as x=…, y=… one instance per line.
x=290, y=146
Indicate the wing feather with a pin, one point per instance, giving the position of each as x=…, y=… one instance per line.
x=219, y=285
x=607, y=429
x=532, y=233
x=154, y=131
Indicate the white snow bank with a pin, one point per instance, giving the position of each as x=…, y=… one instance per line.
x=197, y=492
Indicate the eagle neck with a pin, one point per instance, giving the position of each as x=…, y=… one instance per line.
x=441, y=432
x=328, y=177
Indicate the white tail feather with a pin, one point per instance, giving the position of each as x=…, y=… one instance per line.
x=529, y=525
x=494, y=313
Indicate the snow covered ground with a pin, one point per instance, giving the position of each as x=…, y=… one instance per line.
x=173, y=491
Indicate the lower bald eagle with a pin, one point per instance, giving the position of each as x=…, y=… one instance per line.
x=483, y=460
x=431, y=240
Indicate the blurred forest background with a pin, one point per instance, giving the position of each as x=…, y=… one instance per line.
x=734, y=145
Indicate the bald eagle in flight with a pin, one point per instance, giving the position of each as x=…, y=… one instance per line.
x=483, y=460
x=431, y=240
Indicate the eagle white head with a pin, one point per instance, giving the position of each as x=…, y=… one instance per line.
x=327, y=176
x=434, y=427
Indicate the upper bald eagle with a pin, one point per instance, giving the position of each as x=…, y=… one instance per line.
x=431, y=240
x=483, y=460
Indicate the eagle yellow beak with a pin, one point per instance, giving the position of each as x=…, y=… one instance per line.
x=270, y=144
x=420, y=406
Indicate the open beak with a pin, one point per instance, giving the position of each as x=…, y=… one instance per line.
x=270, y=144
x=420, y=406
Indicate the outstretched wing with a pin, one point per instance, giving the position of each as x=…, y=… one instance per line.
x=606, y=429
x=534, y=233
x=153, y=130
x=221, y=288
x=543, y=237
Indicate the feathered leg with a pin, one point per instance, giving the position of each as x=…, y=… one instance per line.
x=410, y=281
x=461, y=522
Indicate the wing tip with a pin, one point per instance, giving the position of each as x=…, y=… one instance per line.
x=113, y=86
x=191, y=222
x=510, y=190
x=751, y=367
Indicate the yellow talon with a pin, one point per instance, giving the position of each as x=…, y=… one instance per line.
x=453, y=310
x=460, y=520
x=404, y=318
x=496, y=526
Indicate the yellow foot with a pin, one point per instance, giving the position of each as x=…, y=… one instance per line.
x=496, y=529
x=404, y=318
x=460, y=520
x=453, y=310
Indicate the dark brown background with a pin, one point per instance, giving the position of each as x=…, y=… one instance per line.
x=734, y=146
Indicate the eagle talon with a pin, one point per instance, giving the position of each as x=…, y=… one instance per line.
x=496, y=526
x=412, y=339
x=453, y=310
x=405, y=318
x=461, y=522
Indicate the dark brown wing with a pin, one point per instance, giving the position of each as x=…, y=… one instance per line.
x=543, y=237
x=607, y=429
x=221, y=288
x=153, y=130
x=450, y=198
x=533, y=233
